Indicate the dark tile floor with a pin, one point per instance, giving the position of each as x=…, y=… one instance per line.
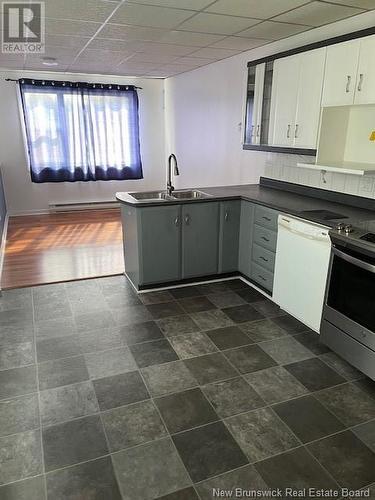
x=110, y=395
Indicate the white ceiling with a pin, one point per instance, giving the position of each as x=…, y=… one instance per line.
x=161, y=38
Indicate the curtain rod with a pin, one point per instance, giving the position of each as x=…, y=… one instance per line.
x=13, y=80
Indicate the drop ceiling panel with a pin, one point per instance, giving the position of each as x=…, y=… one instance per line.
x=146, y=15
x=189, y=38
x=165, y=48
x=180, y=4
x=92, y=67
x=131, y=68
x=362, y=4
x=86, y=10
x=193, y=61
x=176, y=68
x=261, y=9
x=124, y=32
x=237, y=43
x=317, y=13
x=98, y=56
x=210, y=53
x=159, y=38
x=11, y=61
x=152, y=58
x=64, y=55
x=81, y=28
x=71, y=42
x=217, y=24
x=269, y=30
x=116, y=45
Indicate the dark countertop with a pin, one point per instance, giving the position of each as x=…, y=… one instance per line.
x=278, y=199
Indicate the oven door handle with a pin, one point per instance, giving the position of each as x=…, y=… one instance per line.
x=353, y=260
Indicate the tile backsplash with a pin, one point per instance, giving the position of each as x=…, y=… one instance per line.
x=283, y=167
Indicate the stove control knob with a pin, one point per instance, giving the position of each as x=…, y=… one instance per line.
x=348, y=228
x=340, y=226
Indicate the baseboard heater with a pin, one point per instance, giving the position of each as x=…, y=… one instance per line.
x=91, y=205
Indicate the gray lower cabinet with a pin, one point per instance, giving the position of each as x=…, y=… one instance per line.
x=264, y=257
x=170, y=242
x=230, y=212
x=200, y=239
x=130, y=236
x=160, y=244
x=246, y=238
x=166, y=243
x=264, y=246
x=262, y=276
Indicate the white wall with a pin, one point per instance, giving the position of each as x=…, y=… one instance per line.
x=24, y=196
x=205, y=108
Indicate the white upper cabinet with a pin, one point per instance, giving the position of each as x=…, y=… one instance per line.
x=341, y=73
x=296, y=99
x=286, y=95
x=365, y=84
x=309, y=98
x=284, y=100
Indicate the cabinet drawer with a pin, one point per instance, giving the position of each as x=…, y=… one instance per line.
x=266, y=217
x=265, y=237
x=262, y=276
x=264, y=257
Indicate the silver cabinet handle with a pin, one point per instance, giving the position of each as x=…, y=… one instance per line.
x=296, y=131
x=252, y=130
x=263, y=258
x=359, y=88
x=264, y=238
x=187, y=219
x=262, y=277
x=348, y=80
x=258, y=130
x=266, y=218
x=177, y=221
x=226, y=216
x=288, y=132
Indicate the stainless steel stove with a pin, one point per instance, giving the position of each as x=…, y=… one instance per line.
x=348, y=320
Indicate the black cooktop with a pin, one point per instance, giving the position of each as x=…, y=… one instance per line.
x=323, y=214
x=368, y=237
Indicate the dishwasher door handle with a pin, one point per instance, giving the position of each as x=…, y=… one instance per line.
x=320, y=235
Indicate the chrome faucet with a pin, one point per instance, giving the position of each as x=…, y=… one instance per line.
x=170, y=187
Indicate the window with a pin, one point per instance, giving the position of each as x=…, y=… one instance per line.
x=80, y=131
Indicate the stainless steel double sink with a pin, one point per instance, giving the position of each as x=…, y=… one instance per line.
x=157, y=196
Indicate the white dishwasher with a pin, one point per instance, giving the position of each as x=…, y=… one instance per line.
x=301, y=268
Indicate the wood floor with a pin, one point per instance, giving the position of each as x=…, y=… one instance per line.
x=62, y=247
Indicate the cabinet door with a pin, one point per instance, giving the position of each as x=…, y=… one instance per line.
x=340, y=73
x=365, y=86
x=258, y=101
x=250, y=106
x=160, y=244
x=200, y=239
x=284, y=100
x=245, y=243
x=229, y=236
x=309, y=98
x=255, y=85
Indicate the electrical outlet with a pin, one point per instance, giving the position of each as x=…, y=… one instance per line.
x=366, y=185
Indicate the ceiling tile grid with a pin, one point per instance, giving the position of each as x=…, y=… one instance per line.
x=161, y=38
